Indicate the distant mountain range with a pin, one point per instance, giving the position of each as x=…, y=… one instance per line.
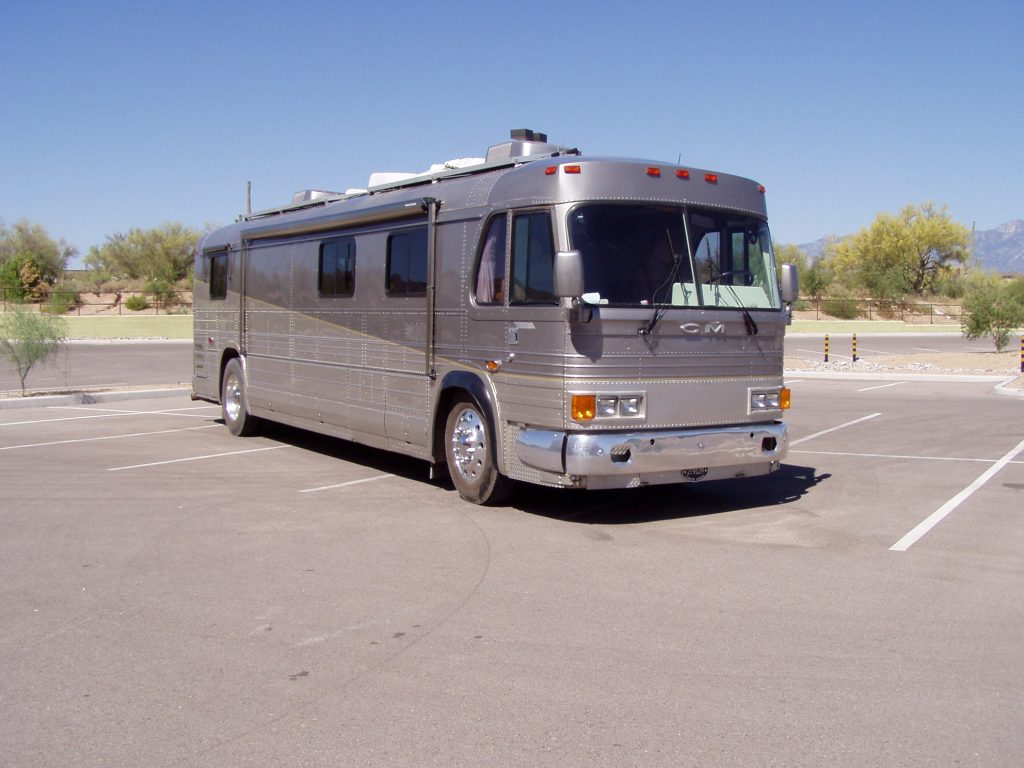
x=1000, y=249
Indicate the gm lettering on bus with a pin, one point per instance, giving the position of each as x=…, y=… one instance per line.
x=707, y=328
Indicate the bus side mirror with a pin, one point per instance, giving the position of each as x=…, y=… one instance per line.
x=568, y=274
x=789, y=284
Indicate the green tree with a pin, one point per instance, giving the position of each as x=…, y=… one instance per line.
x=30, y=338
x=818, y=278
x=163, y=253
x=787, y=253
x=901, y=254
x=30, y=260
x=992, y=307
x=815, y=276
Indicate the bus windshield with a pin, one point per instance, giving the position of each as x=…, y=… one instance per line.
x=669, y=256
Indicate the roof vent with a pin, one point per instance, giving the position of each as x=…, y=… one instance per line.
x=310, y=195
x=525, y=143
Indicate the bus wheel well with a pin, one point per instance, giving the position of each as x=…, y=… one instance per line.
x=229, y=355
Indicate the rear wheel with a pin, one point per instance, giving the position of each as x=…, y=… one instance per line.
x=233, y=402
x=471, y=456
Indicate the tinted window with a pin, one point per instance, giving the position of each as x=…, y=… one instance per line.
x=219, y=275
x=337, y=267
x=407, y=263
x=533, y=259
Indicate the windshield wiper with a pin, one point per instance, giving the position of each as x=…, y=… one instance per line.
x=659, y=310
x=748, y=319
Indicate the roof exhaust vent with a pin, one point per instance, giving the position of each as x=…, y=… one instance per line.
x=525, y=134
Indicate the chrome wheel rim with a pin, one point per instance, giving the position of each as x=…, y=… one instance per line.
x=232, y=398
x=469, y=445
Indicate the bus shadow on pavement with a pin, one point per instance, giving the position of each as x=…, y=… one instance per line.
x=376, y=459
x=669, y=502
x=616, y=507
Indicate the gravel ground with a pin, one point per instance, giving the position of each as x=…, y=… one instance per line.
x=967, y=363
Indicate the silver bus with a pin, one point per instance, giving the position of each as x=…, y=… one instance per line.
x=535, y=315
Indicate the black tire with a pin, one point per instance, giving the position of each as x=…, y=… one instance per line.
x=471, y=455
x=234, y=404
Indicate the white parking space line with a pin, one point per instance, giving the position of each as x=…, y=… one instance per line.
x=936, y=517
x=834, y=429
x=873, y=351
x=343, y=485
x=882, y=386
x=821, y=353
x=127, y=410
x=110, y=414
x=104, y=437
x=899, y=456
x=195, y=458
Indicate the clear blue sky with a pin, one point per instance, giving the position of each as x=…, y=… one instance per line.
x=121, y=115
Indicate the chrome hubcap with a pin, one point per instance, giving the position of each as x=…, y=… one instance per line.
x=469, y=445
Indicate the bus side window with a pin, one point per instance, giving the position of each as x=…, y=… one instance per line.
x=219, y=275
x=490, y=275
x=533, y=259
x=337, y=267
x=407, y=263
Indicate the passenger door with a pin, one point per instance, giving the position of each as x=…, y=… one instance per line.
x=530, y=381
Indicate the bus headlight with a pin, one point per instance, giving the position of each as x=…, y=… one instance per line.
x=629, y=405
x=769, y=400
x=586, y=406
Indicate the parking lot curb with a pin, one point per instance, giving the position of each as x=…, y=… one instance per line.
x=88, y=398
x=1003, y=388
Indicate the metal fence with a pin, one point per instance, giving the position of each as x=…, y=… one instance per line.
x=875, y=309
x=109, y=303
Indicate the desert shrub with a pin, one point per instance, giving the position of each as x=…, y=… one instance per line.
x=162, y=291
x=60, y=302
x=991, y=308
x=28, y=338
x=136, y=302
x=841, y=307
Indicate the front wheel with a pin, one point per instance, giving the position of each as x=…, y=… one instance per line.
x=233, y=402
x=471, y=456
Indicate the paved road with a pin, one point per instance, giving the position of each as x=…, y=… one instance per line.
x=880, y=345
x=109, y=364
x=182, y=597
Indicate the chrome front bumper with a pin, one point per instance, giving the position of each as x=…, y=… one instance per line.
x=626, y=459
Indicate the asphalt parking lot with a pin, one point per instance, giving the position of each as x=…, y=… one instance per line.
x=107, y=364
x=171, y=595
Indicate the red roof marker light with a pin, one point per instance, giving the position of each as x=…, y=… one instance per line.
x=711, y=178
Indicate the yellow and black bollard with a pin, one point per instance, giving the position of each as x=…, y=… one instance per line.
x=855, y=347
x=826, y=347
